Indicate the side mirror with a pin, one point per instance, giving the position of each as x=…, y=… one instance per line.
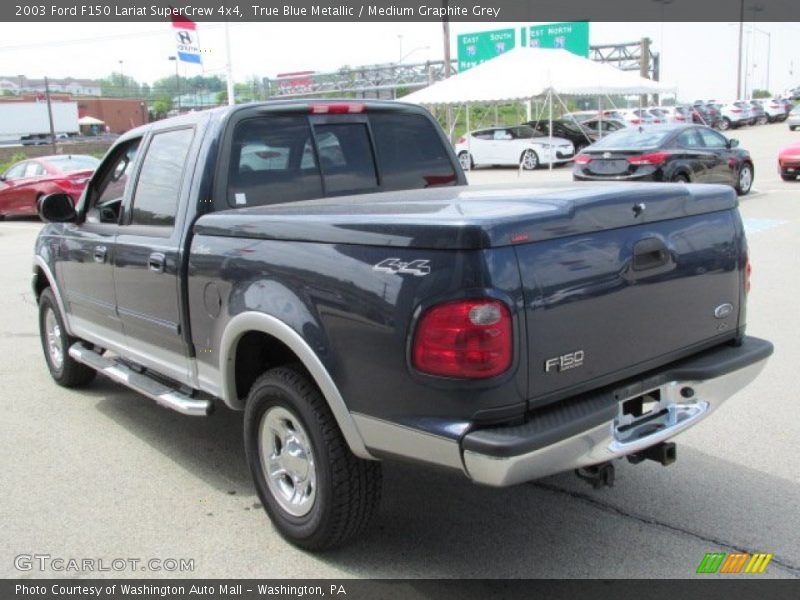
x=57, y=208
x=733, y=143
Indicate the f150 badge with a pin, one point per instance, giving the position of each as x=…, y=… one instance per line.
x=571, y=360
x=417, y=268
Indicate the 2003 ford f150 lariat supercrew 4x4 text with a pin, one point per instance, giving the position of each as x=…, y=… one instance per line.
x=284, y=259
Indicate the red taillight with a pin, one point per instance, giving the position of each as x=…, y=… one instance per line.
x=636, y=121
x=748, y=270
x=583, y=159
x=337, y=108
x=736, y=110
x=467, y=339
x=462, y=140
x=680, y=118
x=653, y=158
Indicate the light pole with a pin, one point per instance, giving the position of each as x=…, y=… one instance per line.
x=400, y=44
x=177, y=82
x=410, y=52
x=769, y=51
x=739, y=62
x=121, y=80
x=756, y=8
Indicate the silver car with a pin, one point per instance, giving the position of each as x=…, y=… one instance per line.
x=794, y=118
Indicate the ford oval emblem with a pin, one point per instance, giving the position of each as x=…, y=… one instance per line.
x=723, y=310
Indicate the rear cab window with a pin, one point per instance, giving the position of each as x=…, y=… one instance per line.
x=276, y=158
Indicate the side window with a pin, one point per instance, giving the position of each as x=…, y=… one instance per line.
x=689, y=139
x=108, y=187
x=712, y=139
x=483, y=135
x=16, y=172
x=272, y=161
x=155, y=200
x=502, y=134
x=33, y=169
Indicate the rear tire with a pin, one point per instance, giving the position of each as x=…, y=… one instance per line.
x=680, y=178
x=724, y=124
x=792, y=127
x=316, y=492
x=529, y=160
x=745, y=180
x=465, y=160
x=64, y=369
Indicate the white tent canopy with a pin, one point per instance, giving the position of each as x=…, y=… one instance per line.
x=525, y=73
x=87, y=120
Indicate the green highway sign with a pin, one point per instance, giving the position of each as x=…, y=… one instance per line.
x=475, y=48
x=573, y=37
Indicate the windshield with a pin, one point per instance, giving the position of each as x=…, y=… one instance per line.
x=70, y=164
x=632, y=139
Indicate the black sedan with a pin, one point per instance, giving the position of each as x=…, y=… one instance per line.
x=679, y=153
x=567, y=129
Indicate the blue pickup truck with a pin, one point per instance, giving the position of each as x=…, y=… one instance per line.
x=323, y=267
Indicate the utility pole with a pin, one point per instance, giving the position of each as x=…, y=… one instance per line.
x=50, y=114
x=229, y=66
x=739, y=64
x=644, y=63
x=447, y=66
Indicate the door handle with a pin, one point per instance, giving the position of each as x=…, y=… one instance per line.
x=649, y=254
x=156, y=262
x=100, y=253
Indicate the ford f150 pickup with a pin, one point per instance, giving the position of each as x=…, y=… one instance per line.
x=324, y=267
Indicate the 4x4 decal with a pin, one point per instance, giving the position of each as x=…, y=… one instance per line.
x=417, y=268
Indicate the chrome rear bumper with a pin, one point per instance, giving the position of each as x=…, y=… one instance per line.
x=681, y=404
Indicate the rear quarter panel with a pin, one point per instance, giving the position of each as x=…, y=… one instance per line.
x=359, y=320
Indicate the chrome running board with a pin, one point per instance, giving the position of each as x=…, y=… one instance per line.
x=141, y=382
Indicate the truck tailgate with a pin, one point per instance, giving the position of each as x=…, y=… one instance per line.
x=627, y=299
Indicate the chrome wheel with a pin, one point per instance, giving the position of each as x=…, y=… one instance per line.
x=466, y=162
x=745, y=179
x=288, y=461
x=529, y=160
x=55, y=349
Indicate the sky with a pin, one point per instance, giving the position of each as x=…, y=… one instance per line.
x=699, y=58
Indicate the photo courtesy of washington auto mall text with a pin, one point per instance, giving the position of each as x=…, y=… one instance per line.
x=464, y=299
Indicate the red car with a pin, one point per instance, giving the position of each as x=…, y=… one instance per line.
x=789, y=162
x=24, y=183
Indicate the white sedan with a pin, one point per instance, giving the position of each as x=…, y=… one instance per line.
x=519, y=145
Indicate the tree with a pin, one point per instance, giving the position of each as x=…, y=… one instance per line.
x=761, y=94
x=161, y=106
x=118, y=85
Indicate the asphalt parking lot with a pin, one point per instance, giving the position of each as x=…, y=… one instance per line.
x=103, y=473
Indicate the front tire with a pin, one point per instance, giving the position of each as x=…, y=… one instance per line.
x=529, y=160
x=788, y=177
x=316, y=492
x=64, y=369
x=745, y=181
x=680, y=178
x=724, y=124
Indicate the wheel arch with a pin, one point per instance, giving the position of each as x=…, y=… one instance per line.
x=43, y=278
x=248, y=328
